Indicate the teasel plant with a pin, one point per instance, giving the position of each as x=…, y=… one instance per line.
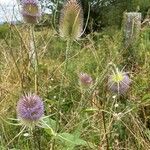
x=30, y=116
x=30, y=10
x=85, y=84
x=70, y=29
x=71, y=20
x=71, y=23
x=118, y=84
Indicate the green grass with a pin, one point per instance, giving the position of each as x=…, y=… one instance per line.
x=89, y=120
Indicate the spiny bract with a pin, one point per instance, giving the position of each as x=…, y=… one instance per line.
x=71, y=20
x=30, y=11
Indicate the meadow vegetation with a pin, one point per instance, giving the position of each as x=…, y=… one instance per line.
x=76, y=117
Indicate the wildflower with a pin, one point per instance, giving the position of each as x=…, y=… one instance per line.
x=30, y=11
x=30, y=109
x=26, y=134
x=71, y=20
x=116, y=105
x=119, y=82
x=117, y=116
x=85, y=79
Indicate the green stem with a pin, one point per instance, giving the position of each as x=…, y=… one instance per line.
x=62, y=81
x=104, y=124
x=61, y=88
x=34, y=57
x=69, y=43
x=105, y=130
x=23, y=128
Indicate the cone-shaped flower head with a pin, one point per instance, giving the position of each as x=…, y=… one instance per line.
x=30, y=109
x=71, y=20
x=85, y=79
x=119, y=82
x=30, y=11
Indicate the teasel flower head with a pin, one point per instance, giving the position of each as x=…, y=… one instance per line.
x=85, y=80
x=30, y=110
x=119, y=82
x=71, y=20
x=30, y=11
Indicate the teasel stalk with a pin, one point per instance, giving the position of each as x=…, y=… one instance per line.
x=70, y=28
x=119, y=83
x=33, y=57
x=71, y=23
x=30, y=10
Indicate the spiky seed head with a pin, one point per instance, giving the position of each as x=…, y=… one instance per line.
x=30, y=109
x=119, y=82
x=85, y=79
x=30, y=11
x=71, y=20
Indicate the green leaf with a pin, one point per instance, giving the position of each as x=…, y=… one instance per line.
x=148, y=133
x=49, y=125
x=71, y=139
x=146, y=97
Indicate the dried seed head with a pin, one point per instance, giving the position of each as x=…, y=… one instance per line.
x=30, y=109
x=30, y=11
x=71, y=20
x=85, y=79
x=119, y=82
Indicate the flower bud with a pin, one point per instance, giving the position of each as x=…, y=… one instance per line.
x=85, y=79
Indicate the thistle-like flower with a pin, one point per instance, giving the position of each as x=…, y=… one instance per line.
x=119, y=82
x=30, y=110
x=71, y=20
x=85, y=79
x=30, y=11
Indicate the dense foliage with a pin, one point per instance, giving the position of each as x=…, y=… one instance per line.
x=103, y=13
